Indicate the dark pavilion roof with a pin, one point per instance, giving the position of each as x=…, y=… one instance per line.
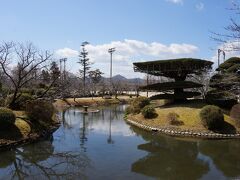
x=174, y=66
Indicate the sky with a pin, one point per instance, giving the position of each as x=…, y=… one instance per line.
x=140, y=30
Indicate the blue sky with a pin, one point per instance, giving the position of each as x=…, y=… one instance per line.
x=139, y=29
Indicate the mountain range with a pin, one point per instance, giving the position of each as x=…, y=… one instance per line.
x=121, y=78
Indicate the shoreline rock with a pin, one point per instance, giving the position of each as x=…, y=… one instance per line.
x=34, y=137
x=184, y=133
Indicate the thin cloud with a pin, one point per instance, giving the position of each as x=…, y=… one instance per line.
x=175, y=1
x=199, y=6
x=66, y=52
x=129, y=51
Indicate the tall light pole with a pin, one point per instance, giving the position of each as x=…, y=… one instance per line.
x=64, y=68
x=219, y=53
x=111, y=51
x=60, y=69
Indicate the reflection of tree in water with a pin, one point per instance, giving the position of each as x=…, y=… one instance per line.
x=169, y=158
x=40, y=161
x=83, y=136
x=225, y=155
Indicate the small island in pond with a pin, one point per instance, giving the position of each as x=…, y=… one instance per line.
x=185, y=105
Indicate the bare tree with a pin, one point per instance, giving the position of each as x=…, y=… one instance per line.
x=26, y=60
x=95, y=77
x=204, y=79
x=230, y=38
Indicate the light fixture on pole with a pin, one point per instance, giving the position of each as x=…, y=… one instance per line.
x=219, y=53
x=111, y=51
x=64, y=67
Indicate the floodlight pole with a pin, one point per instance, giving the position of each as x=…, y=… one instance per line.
x=60, y=60
x=64, y=68
x=111, y=50
x=219, y=53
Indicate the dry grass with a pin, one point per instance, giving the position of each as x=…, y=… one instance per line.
x=90, y=101
x=188, y=113
x=23, y=126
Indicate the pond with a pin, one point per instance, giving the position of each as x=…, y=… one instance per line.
x=102, y=146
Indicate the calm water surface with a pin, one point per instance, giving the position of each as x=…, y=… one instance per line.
x=102, y=146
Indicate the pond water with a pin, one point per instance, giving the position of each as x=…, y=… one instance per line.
x=102, y=146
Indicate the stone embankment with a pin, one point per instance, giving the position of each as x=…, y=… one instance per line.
x=184, y=133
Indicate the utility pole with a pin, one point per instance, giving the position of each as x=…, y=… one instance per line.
x=111, y=51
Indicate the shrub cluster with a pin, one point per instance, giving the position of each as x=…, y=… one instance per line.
x=136, y=105
x=212, y=117
x=132, y=109
x=173, y=119
x=141, y=102
x=149, y=112
x=39, y=110
x=7, y=117
x=20, y=103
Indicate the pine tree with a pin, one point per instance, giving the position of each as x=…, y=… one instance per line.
x=54, y=72
x=85, y=63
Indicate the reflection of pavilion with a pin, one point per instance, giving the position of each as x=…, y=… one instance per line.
x=225, y=156
x=169, y=159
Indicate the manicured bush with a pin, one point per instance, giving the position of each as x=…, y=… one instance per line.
x=141, y=102
x=7, y=117
x=23, y=99
x=132, y=109
x=136, y=105
x=39, y=110
x=235, y=114
x=40, y=91
x=27, y=91
x=228, y=64
x=234, y=68
x=173, y=119
x=20, y=103
x=212, y=117
x=221, y=98
x=149, y=112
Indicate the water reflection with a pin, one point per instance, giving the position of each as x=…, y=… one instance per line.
x=225, y=156
x=169, y=158
x=102, y=146
x=42, y=162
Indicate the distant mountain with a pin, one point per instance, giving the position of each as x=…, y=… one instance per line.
x=121, y=78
